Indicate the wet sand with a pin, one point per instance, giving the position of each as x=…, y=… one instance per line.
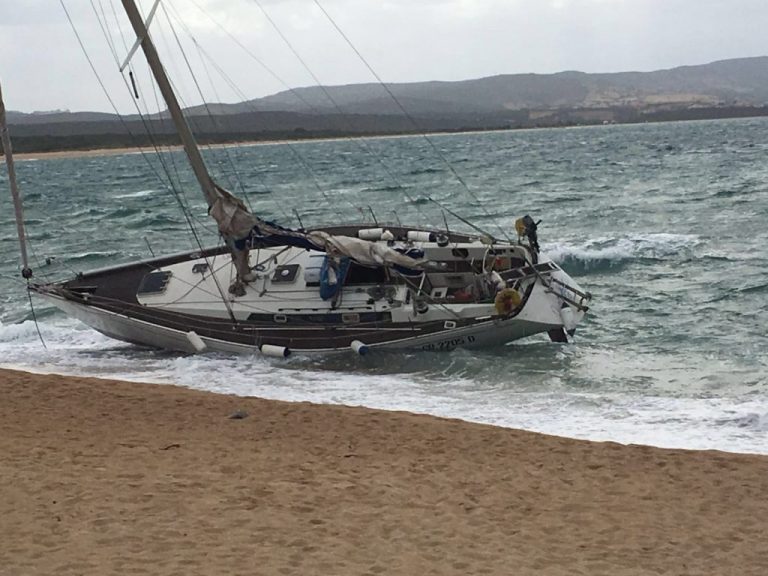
x=99, y=152
x=75, y=153
x=104, y=477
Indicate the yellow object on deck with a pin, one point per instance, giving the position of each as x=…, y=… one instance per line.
x=507, y=300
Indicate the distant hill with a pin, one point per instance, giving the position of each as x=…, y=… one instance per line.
x=741, y=82
x=721, y=89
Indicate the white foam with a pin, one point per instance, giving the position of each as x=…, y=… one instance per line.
x=139, y=194
x=617, y=250
x=456, y=386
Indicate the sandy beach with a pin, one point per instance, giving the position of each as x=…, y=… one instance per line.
x=104, y=477
x=98, y=152
x=74, y=153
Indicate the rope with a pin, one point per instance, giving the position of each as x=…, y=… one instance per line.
x=297, y=156
x=360, y=142
x=411, y=119
x=153, y=141
x=34, y=317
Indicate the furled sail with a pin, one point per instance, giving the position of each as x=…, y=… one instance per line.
x=242, y=229
x=364, y=252
x=232, y=217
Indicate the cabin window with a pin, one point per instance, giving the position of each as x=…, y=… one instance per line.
x=363, y=275
x=154, y=283
x=286, y=273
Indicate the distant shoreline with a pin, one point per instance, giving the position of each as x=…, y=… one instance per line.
x=117, y=151
x=99, y=151
x=231, y=140
x=74, y=153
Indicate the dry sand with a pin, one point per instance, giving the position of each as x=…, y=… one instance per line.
x=103, y=477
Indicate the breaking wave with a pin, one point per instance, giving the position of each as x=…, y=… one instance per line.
x=656, y=360
x=612, y=254
x=139, y=194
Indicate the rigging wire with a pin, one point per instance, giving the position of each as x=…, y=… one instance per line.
x=361, y=142
x=170, y=158
x=34, y=317
x=258, y=60
x=307, y=167
x=122, y=120
x=173, y=157
x=211, y=117
x=170, y=183
x=178, y=196
x=152, y=140
x=146, y=121
x=247, y=101
x=410, y=118
x=291, y=147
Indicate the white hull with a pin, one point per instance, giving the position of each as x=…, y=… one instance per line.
x=481, y=335
x=181, y=303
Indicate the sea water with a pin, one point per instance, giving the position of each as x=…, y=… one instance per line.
x=666, y=225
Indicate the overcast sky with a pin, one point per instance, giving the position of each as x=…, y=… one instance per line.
x=42, y=66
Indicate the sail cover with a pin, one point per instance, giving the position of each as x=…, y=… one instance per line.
x=363, y=252
x=242, y=228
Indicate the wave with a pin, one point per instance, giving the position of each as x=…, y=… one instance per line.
x=139, y=194
x=475, y=386
x=390, y=188
x=751, y=421
x=123, y=212
x=61, y=331
x=418, y=171
x=759, y=288
x=731, y=293
x=91, y=256
x=130, y=176
x=562, y=199
x=154, y=221
x=612, y=254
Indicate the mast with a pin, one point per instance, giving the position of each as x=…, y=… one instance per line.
x=26, y=271
x=187, y=138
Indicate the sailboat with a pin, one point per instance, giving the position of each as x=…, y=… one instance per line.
x=353, y=289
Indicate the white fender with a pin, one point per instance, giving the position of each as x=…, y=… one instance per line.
x=359, y=347
x=196, y=341
x=370, y=233
x=275, y=351
x=418, y=236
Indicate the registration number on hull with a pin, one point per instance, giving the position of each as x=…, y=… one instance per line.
x=449, y=344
